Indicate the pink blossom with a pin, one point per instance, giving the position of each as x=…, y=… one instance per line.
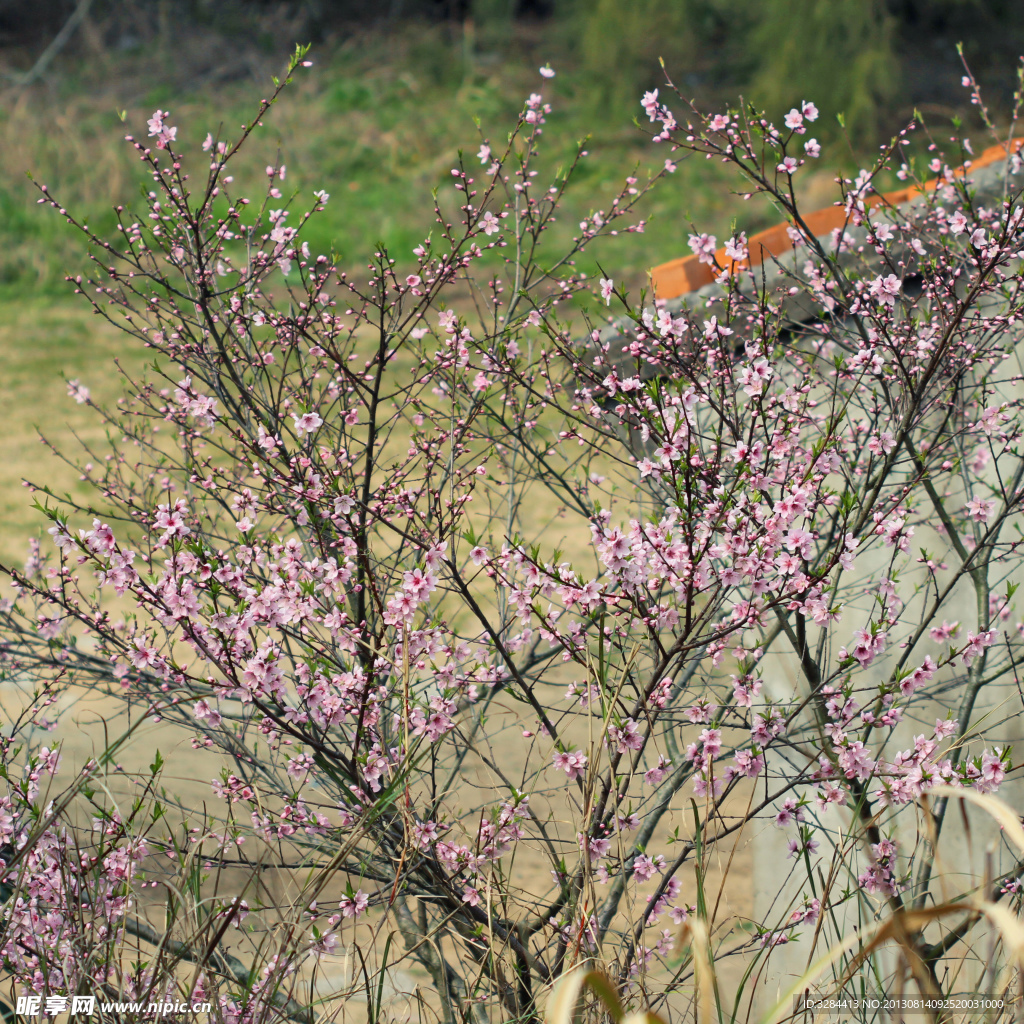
x=867, y=645
x=947, y=631
x=572, y=762
x=736, y=248
x=650, y=104
x=355, y=904
x=164, y=134
x=711, y=739
x=748, y=764
x=976, y=644
x=307, y=422
x=856, y=761
x=707, y=787
x=881, y=443
x=993, y=771
x=885, y=289
x=654, y=776
x=980, y=509
x=324, y=945
x=300, y=766
x=704, y=247
x=754, y=377
x=171, y=519
x=713, y=329
x=802, y=845
x=918, y=677
x=879, y=877
x=205, y=713
x=703, y=711
x=645, y=868
x=425, y=834
x=628, y=737
x=789, y=813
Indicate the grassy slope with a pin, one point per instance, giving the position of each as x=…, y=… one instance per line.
x=377, y=123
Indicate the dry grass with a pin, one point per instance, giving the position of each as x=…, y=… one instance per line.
x=41, y=342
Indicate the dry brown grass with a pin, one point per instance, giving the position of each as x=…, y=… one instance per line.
x=40, y=342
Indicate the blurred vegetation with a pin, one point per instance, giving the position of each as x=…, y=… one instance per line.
x=381, y=118
x=841, y=51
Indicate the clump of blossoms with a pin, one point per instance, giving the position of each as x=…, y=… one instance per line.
x=510, y=622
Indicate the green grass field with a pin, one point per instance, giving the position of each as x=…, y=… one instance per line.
x=378, y=125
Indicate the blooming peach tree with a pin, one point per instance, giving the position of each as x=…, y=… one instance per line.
x=484, y=604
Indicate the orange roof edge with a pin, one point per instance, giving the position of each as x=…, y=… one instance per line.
x=687, y=274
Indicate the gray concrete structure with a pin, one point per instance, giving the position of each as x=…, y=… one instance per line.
x=970, y=848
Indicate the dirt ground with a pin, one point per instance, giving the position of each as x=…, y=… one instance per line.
x=85, y=724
